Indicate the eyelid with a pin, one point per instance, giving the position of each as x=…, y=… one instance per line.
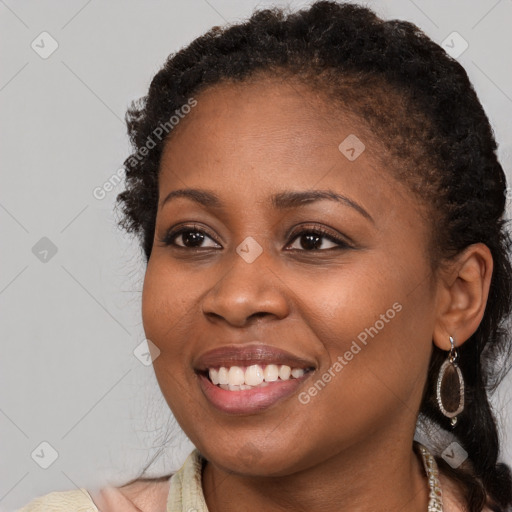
x=342, y=240
x=175, y=231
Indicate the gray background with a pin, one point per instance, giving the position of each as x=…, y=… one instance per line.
x=71, y=320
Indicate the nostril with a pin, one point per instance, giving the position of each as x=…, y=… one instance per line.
x=259, y=315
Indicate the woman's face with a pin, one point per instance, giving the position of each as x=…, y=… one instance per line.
x=250, y=284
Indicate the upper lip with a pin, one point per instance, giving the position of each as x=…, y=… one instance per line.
x=247, y=355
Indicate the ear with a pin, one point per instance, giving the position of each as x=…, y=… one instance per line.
x=462, y=295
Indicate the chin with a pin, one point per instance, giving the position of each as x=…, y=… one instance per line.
x=255, y=461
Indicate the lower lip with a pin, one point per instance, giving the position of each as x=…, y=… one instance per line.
x=249, y=400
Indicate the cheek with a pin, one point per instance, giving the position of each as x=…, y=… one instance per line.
x=375, y=333
x=169, y=298
x=169, y=314
x=170, y=308
x=343, y=305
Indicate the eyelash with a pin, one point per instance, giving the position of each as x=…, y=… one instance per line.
x=169, y=238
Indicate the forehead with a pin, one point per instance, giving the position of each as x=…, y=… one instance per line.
x=267, y=108
x=269, y=134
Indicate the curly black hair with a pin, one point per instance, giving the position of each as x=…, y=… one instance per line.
x=425, y=118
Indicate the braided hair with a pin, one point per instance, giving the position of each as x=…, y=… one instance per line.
x=426, y=119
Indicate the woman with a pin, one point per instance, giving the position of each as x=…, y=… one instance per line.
x=321, y=208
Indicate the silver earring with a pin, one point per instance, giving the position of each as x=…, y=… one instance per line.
x=451, y=368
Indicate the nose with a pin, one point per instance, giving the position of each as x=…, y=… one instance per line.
x=246, y=292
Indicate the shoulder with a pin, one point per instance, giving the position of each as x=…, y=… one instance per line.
x=141, y=495
x=78, y=500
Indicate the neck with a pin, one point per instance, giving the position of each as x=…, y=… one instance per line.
x=389, y=474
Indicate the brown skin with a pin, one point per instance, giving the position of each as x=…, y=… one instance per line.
x=350, y=447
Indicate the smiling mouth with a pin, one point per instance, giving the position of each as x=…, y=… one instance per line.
x=249, y=378
x=244, y=378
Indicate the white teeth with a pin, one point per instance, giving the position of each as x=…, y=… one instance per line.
x=254, y=375
x=223, y=375
x=271, y=373
x=214, y=376
x=237, y=378
x=297, y=373
x=284, y=372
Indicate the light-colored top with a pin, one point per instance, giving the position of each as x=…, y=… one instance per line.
x=185, y=495
x=79, y=501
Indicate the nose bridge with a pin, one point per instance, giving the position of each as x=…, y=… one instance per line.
x=248, y=288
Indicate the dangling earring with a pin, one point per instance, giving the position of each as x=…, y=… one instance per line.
x=451, y=368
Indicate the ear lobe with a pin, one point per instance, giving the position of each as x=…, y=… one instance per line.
x=463, y=295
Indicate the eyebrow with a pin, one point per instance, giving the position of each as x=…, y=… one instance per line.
x=279, y=201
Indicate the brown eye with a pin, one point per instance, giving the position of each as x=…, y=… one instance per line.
x=189, y=238
x=317, y=240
